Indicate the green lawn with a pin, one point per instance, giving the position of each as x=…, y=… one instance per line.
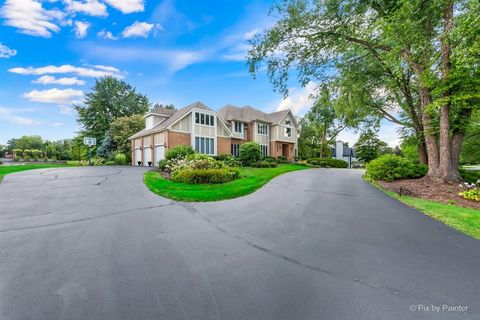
x=4, y=169
x=250, y=180
x=465, y=220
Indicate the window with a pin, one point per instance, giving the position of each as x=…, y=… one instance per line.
x=262, y=129
x=205, y=145
x=288, y=128
x=238, y=127
x=205, y=119
x=235, y=149
x=264, y=150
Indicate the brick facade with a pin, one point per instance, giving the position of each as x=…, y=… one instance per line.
x=224, y=145
x=279, y=149
x=175, y=138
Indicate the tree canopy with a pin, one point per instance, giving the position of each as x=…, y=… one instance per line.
x=110, y=99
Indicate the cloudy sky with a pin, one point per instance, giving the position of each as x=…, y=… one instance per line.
x=173, y=51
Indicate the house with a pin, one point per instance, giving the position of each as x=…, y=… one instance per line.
x=343, y=152
x=214, y=133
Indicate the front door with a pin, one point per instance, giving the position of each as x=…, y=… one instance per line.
x=285, y=150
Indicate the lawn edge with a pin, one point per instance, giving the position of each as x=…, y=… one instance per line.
x=428, y=213
x=179, y=199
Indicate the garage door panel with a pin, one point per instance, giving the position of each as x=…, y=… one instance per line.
x=147, y=156
x=159, y=154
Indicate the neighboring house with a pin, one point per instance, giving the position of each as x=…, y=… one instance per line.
x=343, y=152
x=213, y=133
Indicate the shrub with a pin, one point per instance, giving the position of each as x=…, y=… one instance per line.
x=264, y=164
x=327, y=162
x=97, y=161
x=419, y=170
x=77, y=163
x=269, y=159
x=162, y=164
x=110, y=163
x=228, y=160
x=470, y=176
x=250, y=152
x=196, y=176
x=120, y=159
x=282, y=159
x=180, y=151
x=473, y=194
x=390, y=167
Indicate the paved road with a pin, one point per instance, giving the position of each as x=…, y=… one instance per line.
x=94, y=243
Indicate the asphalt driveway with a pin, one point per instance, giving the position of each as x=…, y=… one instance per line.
x=94, y=243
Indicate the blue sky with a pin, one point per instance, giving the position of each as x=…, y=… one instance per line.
x=173, y=51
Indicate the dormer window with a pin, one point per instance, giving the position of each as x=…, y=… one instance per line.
x=238, y=127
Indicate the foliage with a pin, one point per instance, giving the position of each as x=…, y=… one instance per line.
x=107, y=147
x=180, y=151
x=192, y=161
x=391, y=167
x=79, y=150
x=250, y=152
x=228, y=160
x=471, y=143
x=470, y=176
x=282, y=159
x=409, y=149
x=327, y=162
x=209, y=175
x=162, y=164
x=26, y=142
x=120, y=159
x=124, y=127
x=77, y=163
x=110, y=99
x=369, y=146
x=473, y=194
x=110, y=163
x=250, y=179
x=264, y=164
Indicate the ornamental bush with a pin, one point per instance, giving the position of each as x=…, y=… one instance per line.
x=473, y=194
x=196, y=176
x=391, y=167
x=162, y=164
x=120, y=159
x=250, y=152
x=228, y=160
x=181, y=152
x=282, y=159
x=327, y=162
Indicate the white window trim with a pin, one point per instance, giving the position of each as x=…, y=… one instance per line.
x=193, y=124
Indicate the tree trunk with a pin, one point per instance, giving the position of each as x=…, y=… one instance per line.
x=457, y=140
x=422, y=152
x=430, y=140
x=447, y=171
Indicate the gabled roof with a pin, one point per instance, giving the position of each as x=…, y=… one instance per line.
x=162, y=111
x=177, y=115
x=249, y=114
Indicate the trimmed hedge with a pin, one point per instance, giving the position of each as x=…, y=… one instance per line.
x=391, y=167
x=197, y=176
x=264, y=164
x=327, y=162
x=250, y=152
x=120, y=159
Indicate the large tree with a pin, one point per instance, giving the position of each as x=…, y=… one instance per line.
x=124, y=127
x=420, y=55
x=369, y=146
x=110, y=99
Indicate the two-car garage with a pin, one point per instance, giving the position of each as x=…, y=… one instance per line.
x=150, y=148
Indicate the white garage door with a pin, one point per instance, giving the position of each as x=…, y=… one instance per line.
x=159, y=154
x=138, y=156
x=147, y=156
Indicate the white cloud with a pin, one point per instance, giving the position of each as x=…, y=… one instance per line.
x=106, y=35
x=250, y=34
x=57, y=124
x=6, y=52
x=299, y=101
x=29, y=17
x=66, y=81
x=79, y=71
x=127, y=6
x=9, y=114
x=81, y=29
x=58, y=96
x=89, y=7
x=65, y=109
x=139, y=29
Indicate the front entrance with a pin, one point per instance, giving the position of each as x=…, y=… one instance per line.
x=285, y=150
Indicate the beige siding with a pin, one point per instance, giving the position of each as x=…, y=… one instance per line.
x=204, y=131
x=221, y=130
x=183, y=125
x=138, y=142
x=278, y=132
x=147, y=140
x=159, y=138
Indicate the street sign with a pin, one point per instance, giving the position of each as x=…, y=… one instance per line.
x=89, y=141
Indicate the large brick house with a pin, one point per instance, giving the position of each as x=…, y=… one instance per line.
x=214, y=133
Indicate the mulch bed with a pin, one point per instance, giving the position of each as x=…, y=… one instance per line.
x=425, y=189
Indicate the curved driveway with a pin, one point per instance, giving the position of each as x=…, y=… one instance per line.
x=94, y=243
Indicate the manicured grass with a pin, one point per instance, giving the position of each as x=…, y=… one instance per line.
x=250, y=180
x=4, y=169
x=465, y=220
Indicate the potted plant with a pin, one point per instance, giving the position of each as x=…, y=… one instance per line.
x=149, y=163
x=139, y=163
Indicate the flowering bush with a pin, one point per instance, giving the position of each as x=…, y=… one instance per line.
x=206, y=175
x=472, y=192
